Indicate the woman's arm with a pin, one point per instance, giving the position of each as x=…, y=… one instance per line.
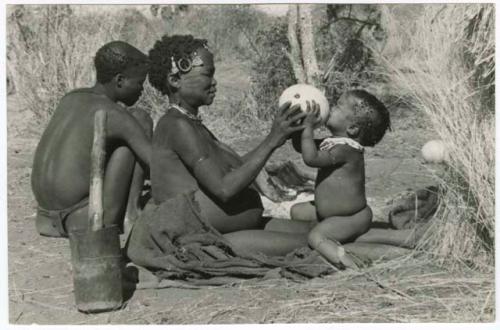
x=193, y=149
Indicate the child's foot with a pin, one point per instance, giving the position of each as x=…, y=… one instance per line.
x=346, y=260
x=335, y=253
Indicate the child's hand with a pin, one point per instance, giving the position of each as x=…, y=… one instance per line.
x=312, y=117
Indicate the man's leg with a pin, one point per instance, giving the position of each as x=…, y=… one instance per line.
x=116, y=186
x=123, y=181
x=132, y=211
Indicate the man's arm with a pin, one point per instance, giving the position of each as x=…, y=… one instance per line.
x=122, y=125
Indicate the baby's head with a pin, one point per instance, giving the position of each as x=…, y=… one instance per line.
x=124, y=67
x=360, y=116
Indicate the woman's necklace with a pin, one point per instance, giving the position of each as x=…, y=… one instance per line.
x=186, y=113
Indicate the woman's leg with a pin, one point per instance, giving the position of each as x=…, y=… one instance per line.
x=406, y=238
x=289, y=226
x=267, y=242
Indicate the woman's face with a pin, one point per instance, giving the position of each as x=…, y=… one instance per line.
x=198, y=86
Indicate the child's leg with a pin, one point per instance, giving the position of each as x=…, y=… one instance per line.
x=305, y=211
x=266, y=242
x=329, y=234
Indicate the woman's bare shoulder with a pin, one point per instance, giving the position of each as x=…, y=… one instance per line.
x=175, y=127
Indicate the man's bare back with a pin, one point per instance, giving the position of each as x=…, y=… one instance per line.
x=61, y=168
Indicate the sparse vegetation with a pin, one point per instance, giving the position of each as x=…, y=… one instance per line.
x=430, y=64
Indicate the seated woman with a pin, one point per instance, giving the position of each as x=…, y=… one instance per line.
x=189, y=161
x=188, y=157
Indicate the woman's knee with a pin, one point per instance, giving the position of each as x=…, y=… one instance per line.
x=295, y=211
x=303, y=211
x=144, y=119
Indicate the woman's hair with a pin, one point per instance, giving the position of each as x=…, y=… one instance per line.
x=371, y=116
x=174, y=47
x=116, y=57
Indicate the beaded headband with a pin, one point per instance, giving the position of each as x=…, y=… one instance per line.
x=186, y=64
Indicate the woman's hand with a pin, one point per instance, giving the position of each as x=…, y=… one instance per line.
x=285, y=123
x=312, y=117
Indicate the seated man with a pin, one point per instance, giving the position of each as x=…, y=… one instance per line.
x=60, y=178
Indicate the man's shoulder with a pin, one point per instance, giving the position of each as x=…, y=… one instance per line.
x=89, y=97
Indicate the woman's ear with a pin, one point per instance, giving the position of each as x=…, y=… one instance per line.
x=173, y=80
x=353, y=131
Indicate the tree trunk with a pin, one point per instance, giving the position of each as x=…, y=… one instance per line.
x=295, y=53
x=307, y=44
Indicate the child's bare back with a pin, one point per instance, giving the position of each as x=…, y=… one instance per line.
x=340, y=189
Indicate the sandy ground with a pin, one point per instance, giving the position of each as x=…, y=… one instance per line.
x=40, y=276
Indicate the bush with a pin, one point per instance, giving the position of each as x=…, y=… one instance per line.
x=444, y=65
x=271, y=69
x=228, y=28
x=51, y=52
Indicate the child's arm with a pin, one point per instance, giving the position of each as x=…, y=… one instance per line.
x=296, y=141
x=310, y=153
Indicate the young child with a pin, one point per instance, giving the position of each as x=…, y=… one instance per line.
x=60, y=178
x=359, y=120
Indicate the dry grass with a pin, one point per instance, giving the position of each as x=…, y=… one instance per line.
x=444, y=65
x=403, y=290
x=46, y=53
